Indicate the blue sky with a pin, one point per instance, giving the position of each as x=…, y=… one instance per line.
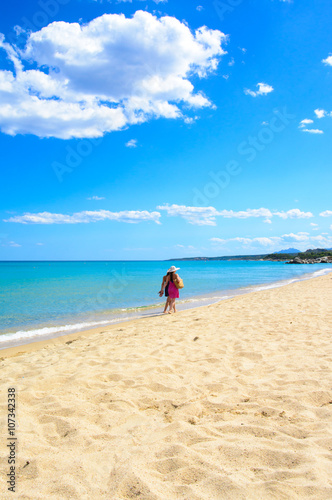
x=155, y=130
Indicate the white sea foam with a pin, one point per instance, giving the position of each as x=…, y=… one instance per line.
x=49, y=331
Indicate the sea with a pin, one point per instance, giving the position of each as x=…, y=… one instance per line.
x=42, y=300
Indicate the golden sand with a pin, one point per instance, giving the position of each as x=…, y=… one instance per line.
x=228, y=401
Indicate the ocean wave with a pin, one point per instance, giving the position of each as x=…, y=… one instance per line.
x=47, y=331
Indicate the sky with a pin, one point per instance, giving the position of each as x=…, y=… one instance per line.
x=150, y=130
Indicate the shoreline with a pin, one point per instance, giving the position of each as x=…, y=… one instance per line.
x=188, y=304
x=74, y=336
x=232, y=399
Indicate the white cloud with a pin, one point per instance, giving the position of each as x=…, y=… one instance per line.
x=295, y=213
x=263, y=89
x=321, y=239
x=263, y=241
x=305, y=122
x=189, y=120
x=199, y=216
x=96, y=198
x=320, y=113
x=185, y=247
x=328, y=60
x=199, y=8
x=86, y=217
x=313, y=224
x=132, y=143
x=326, y=213
x=103, y=76
x=266, y=242
x=245, y=214
x=301, y=239
x=11, y=244
x=313, y=130
x=206, y=216
x=40, y=244
x=296, y=237
x=218, y=240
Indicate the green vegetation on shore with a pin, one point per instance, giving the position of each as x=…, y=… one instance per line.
x=308, y=254
x=277, y=257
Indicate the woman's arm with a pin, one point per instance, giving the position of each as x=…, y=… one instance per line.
x=163, y=285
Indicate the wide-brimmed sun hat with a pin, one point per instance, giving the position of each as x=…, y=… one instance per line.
x=173, y=269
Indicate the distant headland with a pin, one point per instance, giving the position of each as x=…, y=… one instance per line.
x=289, y=256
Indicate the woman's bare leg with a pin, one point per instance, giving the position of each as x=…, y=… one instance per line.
x=171, y=305
x=166, y=305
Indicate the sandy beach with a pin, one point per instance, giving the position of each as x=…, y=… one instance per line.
x=227, y=401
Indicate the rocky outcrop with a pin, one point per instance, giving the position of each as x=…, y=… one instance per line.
x=319, y=260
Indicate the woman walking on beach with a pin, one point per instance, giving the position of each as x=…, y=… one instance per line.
x=173, y=293
x=161, y=293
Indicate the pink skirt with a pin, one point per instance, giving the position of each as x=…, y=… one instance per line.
x=173, y=292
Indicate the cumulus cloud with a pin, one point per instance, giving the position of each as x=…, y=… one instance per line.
x=320, y=113
x=199, y=216
x=296, y=237
x=328, y=60
x=263, y=89
x=96, y=198
x=90, y=79
x=206, y=216
x=132, y=143
x=313, y=130
x=86, y=217
x=295, y=213
x=266, y=242
x=301, y=239
x=326, y=213
x=305, y=122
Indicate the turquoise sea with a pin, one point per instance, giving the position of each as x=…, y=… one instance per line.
x=45, y=299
